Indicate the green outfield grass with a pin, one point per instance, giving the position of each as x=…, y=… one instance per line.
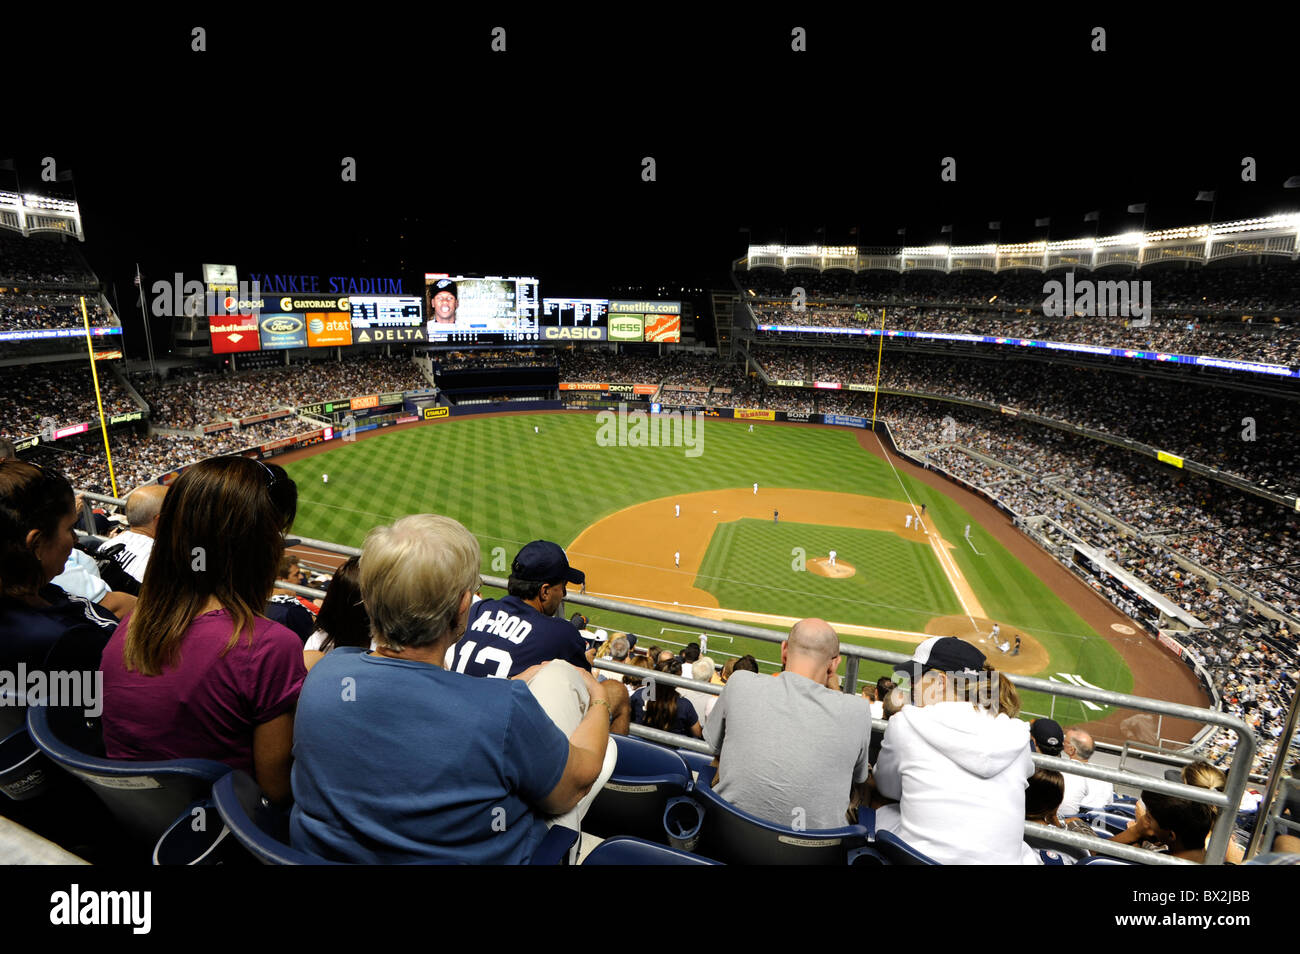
x=509, y=485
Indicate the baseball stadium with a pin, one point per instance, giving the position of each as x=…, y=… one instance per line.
x=434, y=514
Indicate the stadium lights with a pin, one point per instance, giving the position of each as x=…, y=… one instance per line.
x=989, y=249
x=925, y=250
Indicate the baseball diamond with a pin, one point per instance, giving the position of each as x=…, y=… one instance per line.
x=613, y=508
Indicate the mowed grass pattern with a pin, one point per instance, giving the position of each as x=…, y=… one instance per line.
x=898, y=585
x=509, y=485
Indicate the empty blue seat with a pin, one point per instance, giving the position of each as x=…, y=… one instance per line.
x=144, y=798
x=636, y=851
x=632, y=801
x=733, y=836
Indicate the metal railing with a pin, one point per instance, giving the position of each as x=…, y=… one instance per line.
x=1226, y=802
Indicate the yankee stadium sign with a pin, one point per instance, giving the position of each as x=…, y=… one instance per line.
x=326, y=284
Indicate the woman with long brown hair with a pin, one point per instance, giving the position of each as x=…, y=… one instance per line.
x=659, y=706
x=197, y=670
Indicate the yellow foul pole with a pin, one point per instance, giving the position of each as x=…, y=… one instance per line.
x=880, y=353
x=99, y=399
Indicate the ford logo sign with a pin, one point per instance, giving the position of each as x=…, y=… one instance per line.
x=282, y=325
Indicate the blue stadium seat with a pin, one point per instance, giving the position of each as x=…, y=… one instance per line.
x=255, y=824
x=635, y=851
x=698, y=762
x=632, y=802
x=263, y=831
x=733, y=836
x=144, y=798
x=1105, y=823
x=198, y=837
x=24, y=771
x=895, y=851
x=1102, y=860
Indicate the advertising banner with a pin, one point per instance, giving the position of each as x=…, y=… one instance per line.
x=754, y=414
x=123, y=418
x=801, y=416
x=361, y=403
x=433, y=413
x=582, y=386
x=393, y=397
x=550, y=333
x=626, y=327
x=234, y=333
x=328, y=329
x=1167, y=458
x=279, y=332
x=663, y=328
x=789, y=383
x=844, y=420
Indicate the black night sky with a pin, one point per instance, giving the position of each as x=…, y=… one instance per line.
x=530, y=161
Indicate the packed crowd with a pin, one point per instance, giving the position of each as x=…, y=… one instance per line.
x=1249, y=543
x=41, y=261
x=63, y=393
x=469, y=360
x=27, y=311
x=1243, y=433
x=193, y=398
x=1260, y=341
x=1271, y=287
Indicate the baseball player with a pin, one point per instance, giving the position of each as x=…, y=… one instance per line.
x=922, y=510
x=536, y=429
x=832, y=558
x=909, y=521
x=325, y=478
x=677, y=510
x=996, y=630
x=1016, y=651
x=776, y=516
x=755, y=488
x=677, y=558
x=751, y=428
x=704, y=644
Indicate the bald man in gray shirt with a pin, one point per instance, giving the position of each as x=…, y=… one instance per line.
x=791, y=750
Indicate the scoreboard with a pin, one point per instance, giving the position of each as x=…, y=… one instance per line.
x=280, y=322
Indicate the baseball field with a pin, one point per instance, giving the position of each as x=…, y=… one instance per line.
x=755, y=556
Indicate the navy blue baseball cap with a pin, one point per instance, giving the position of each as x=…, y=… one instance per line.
x=545, y=562
x=444, y=285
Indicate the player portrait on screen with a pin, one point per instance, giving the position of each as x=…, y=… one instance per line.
x=444, y=301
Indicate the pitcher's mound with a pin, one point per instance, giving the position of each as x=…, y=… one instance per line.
x=822, y=567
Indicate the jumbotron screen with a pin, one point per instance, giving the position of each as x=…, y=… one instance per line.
x=465, y=309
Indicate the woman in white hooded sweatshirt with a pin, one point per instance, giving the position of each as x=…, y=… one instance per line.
x=954, y=765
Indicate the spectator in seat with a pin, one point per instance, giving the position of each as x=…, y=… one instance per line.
x=1048, y=737
x=661, y=706
x=632, y=683
x=1043, y=797
x=745, y=663
x=129, y=551
x=1181, y=825
x=956, y=762
x=423, y=763
x=343, y=620
x=789, y=749
x=618, y=652
x=1079, y=746
x=701, y=671
x=40, y=625
x=197, y=670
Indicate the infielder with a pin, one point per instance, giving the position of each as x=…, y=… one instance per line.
x=677, y=558
x=756, y=488
x=677, y=510
x=909, y=521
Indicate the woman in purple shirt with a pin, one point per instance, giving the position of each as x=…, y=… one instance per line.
x=197, y=670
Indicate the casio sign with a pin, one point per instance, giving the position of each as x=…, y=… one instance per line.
x=282, y=325
x=573, y=334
